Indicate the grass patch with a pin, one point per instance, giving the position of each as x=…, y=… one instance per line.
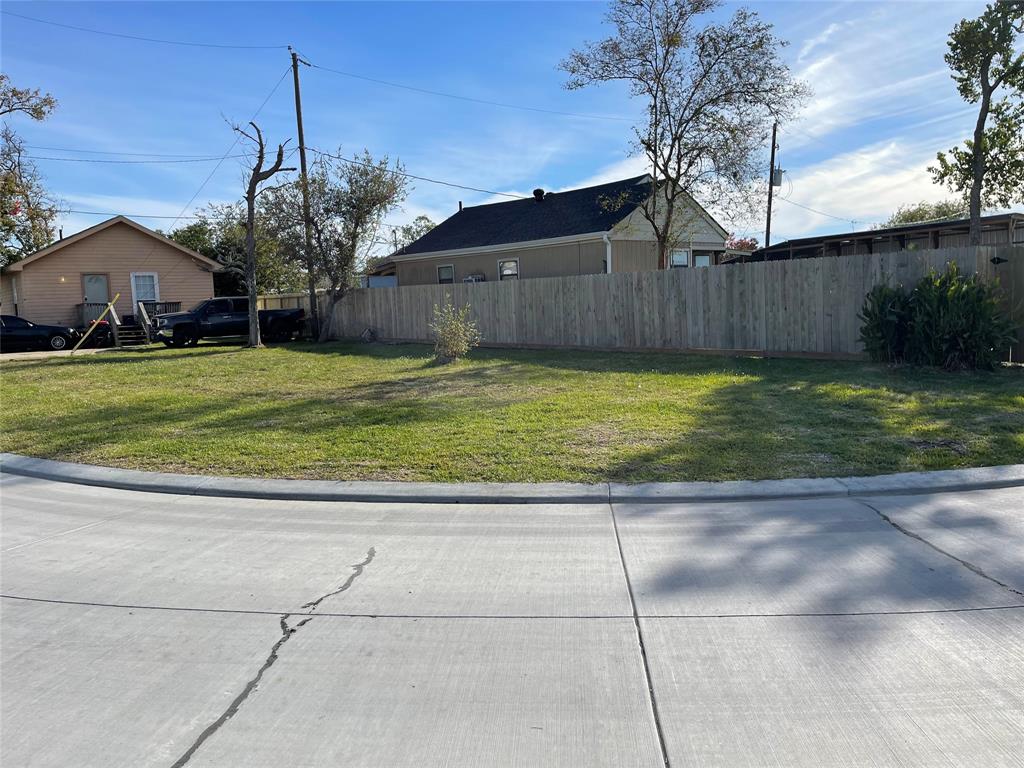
x=351, y=412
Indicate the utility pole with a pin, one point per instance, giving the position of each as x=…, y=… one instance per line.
x=771, y=183
x=314, y=310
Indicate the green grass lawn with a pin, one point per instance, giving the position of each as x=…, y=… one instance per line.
x=387, y=412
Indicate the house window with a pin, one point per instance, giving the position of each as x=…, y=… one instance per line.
x=508, y=269
x=446, y=274
x=145, y=287
x=680, y=257
x=702, y=259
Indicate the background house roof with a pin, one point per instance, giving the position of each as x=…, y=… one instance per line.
x=941, y=225
x=559, y=214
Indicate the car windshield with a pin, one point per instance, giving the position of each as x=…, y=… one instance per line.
x=199, y=306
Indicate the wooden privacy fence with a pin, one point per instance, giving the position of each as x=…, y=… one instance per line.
x=290, y=301
x=798, y=307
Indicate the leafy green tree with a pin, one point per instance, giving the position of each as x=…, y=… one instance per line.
x=913, y=213
x=410, y=233
x=348, y=201
x=401, y=237
x=988, y=68
x=28, y=212
x=219, y=234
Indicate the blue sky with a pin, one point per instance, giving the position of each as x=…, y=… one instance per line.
x=883, y=101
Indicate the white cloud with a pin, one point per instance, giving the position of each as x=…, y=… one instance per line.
x=820, y=39
x=862, y=186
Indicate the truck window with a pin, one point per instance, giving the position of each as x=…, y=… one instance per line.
x=241, y=305
x=218, y=307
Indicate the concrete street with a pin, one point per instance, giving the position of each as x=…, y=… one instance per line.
x=147, y=629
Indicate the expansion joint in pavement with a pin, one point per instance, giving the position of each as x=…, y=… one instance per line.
x=652, y=697
x=976, y=570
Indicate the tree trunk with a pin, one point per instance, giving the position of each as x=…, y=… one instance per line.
x=314, y=306
x=333, y=298
x=978, y=162
x=662, y=253
x=250, y=271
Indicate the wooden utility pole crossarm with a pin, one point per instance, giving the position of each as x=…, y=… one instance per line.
x=314, y=310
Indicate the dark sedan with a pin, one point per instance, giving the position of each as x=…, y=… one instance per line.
x=17, y=334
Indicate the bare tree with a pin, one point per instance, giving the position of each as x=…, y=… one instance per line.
x=257, y=176
x=712, y=92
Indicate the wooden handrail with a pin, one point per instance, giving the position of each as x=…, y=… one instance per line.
x=145, y=321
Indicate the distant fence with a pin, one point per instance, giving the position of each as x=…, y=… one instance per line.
x=293, y=301
x=799, y=307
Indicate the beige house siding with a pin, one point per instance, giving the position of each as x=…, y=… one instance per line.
x=634, y=256
x=580, y=258
x=51, y=287
x=9, y=294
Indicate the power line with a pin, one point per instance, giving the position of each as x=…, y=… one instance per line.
x=210, y=175
x=472, y=99
x=137, y=37
x=419, y=178
x=132, y=162
x=110, y=152
x=815, y=210
x=111, y=214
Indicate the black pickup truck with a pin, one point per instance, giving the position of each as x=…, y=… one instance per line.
x=225, y=316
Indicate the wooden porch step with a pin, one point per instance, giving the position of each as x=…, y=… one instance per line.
x=131, y=335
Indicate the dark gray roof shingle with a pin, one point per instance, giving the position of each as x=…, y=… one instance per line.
x=559, y=214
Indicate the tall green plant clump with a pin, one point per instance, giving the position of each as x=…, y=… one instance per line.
x=949, y=320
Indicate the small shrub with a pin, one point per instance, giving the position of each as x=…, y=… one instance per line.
x=950, y=320
x=886, y=319
x=454, y=332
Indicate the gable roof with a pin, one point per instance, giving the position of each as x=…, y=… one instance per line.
x=559, y=214
x=54, y=247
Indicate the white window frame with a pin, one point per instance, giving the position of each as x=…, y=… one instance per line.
x=518, y=274
x=445, y=266
x=671, y=257
x=156, y=286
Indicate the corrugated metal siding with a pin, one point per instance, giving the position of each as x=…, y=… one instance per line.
x=116, y=251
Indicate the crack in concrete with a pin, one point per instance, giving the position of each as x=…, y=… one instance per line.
x=357, y=571
x=976, y=570
x=227, y=714
x=287, y=633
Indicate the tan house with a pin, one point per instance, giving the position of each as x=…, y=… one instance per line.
x=70, y=282
x=576, y=232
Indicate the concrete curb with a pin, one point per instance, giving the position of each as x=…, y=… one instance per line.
x=1008, y=476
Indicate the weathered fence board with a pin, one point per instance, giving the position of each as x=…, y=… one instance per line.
x=804, y=306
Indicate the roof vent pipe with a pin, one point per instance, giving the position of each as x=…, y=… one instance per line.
x=460, y=206
x=538, y=194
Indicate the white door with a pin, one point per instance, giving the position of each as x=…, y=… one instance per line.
x=145, y=287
